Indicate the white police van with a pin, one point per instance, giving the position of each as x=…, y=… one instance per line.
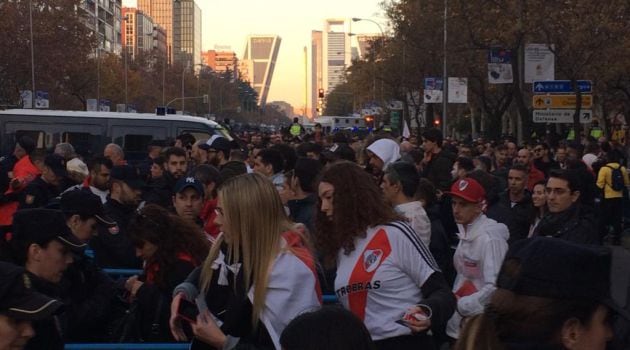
x=89, y=132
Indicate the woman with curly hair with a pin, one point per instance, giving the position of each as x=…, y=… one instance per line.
x=385, y=274
x=171, y=248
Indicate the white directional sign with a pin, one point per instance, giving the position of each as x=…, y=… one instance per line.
x=561, y=116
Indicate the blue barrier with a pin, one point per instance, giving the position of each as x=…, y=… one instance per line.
x=329, y=299
x=122, y=272
x=123, y=346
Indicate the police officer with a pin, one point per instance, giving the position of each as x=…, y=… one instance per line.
x=296, y=129
x=43, y=245
x=112, y=246
x=20, y=306
x=86, y=290
x=46, y=186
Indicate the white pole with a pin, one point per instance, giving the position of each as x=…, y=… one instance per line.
x=30, y=15
x=445, y=75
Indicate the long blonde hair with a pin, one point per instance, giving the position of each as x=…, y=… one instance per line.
x=255, y=216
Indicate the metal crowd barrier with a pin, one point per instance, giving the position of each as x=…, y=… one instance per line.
x=132, y=346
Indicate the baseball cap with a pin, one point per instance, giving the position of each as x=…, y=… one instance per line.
x=17, y=298
x=85, y=203
x=216, y=142
x=468, y=189
x=78, y=166
x=57, y=164
x=41, y=226
x=128, y=174
x=558, y=269
x=186, y=182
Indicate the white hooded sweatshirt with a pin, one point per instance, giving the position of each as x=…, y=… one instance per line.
x=478, y=259
x=387, y=150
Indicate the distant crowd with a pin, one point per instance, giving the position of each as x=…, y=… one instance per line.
x=418, y=243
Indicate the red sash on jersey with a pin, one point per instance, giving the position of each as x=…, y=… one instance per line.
x=371, y=258
x=297, y=247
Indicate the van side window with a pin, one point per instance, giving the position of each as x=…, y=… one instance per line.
x=137, y=143
x=84, y=143
x=38, y=136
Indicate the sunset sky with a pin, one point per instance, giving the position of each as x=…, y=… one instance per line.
x=230, y=22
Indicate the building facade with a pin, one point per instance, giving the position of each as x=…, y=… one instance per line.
x=337, y=52
x=221, y=61
x=137, y=34
x=259, y=63
x=181, y=20
x=105, y=17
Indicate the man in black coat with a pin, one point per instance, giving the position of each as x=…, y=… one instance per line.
x=437, y=163
x=45, y=187
x=568, y=219
x=514, y=205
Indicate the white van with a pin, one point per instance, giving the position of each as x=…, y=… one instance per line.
x=89, y=132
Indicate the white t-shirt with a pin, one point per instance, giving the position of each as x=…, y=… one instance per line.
x=381, y=278
x=418, y=219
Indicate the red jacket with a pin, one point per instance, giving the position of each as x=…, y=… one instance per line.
x=24, y=171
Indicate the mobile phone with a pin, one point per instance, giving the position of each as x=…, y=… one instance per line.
x=188, y=311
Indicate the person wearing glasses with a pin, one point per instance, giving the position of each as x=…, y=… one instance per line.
x=567, y=218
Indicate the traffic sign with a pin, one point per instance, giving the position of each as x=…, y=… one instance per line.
x=560, y=101
x=561, y=116
x=561, y=86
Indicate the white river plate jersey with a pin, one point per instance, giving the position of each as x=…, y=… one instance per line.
x=381, y=278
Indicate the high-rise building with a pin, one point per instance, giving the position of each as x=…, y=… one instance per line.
x=337, y=52
x=105, y=16
x=187, y=32
x=259, y=62
x=221, y=61
x=137, y=34
x=317, y=76
x=159, y=40
x=181, y=19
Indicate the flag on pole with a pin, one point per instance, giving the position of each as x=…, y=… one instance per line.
x=405, y=133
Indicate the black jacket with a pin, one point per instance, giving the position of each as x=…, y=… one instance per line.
x=438, y=170
x=112, y=247
x=154, y=302
x=576, y=224
x=516, y=217
x=440, y=245
x=49, y=333
x=37, y=194
x=87, y=293
x=303, y=211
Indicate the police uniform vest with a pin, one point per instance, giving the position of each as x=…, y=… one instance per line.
x=296, y=129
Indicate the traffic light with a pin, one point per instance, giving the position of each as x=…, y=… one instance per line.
x=321, y=93
x=319, y=110
x=436, y=122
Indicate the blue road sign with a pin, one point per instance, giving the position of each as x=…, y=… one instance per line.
x=561, y=86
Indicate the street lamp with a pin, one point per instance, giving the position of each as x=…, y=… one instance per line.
x=355, y=19
x=444, y=75
x=30, y=16
x=126, y=52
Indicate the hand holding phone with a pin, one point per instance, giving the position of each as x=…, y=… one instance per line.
x=188, y=310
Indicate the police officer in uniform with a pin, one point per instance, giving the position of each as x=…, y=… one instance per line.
x=296, y=129
x=46, y=186
x=86, y=290
x=20, y=306
x=44, y=245
x=112, y=246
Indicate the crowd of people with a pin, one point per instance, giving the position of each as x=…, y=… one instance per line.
x=424, y=243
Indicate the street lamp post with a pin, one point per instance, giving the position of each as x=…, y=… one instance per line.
x=444, y=74
x=125, y=53
x=30, y=15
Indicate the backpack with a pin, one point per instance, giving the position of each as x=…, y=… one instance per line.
x=617, y=179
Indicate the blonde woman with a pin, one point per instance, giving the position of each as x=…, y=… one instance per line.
x=258, y=276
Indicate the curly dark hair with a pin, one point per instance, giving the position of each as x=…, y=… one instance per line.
x=170, y=233
x=358, y=204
